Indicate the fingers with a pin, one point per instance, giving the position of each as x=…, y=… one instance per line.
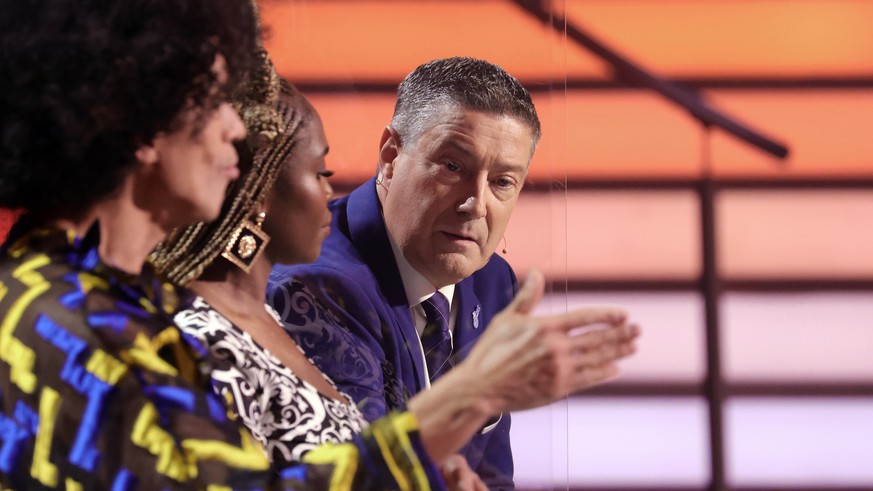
x=595, y=354
x=584, y=317
x=450, y=469
x=529, y=295
x=459, y=476
x=590, y=376
x=609, y=336
x=603, y=345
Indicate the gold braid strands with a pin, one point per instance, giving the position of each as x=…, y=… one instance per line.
x=187, y=252
x=271, y=125
x=258, y=107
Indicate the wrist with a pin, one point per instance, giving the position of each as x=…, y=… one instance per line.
x=451, y=412
x=467, y=391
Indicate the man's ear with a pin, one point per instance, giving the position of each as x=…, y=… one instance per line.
x=389, y=149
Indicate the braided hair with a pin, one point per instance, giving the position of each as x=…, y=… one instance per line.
x=187, y=252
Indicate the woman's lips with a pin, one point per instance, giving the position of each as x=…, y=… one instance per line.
x=231, y=171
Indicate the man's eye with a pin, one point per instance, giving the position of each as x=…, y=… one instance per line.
x=325, y=173
x=453, y=166
x=504, y=182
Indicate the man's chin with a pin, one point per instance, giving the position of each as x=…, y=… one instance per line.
x=454, y=267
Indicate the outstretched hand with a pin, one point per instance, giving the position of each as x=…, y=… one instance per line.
x=524, y=362
x=521, y=362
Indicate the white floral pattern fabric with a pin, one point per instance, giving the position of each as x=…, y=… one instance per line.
x=288, y=415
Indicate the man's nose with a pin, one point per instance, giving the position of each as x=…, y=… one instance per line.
x=473, y=200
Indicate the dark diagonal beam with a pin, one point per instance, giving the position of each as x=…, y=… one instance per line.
x=632, y=73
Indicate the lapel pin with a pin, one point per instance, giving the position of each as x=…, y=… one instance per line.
x=476, y=317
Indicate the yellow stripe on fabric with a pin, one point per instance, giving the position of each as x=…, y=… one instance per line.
x=26, y=271
x=3, y=290
x=148, y=434
x=145, y=354
x=218, y=487
x=385, y=448
x=167, y=336
x=148, y=306
x=149, y=361
x=170, y=297
x=171, y=336
x=250, y=455
x=90, y=282
x=146, y=350
x=404, y=424
x=19, y=356
x=41, y=468
x=73, y=485
x=106, y=367
x=20, y=246
x=343, y=457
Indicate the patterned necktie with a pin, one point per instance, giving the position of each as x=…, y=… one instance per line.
x=436, y=339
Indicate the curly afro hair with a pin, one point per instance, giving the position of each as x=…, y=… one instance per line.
x=84, y=83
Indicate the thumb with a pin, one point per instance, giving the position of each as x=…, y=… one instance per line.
x=530, y=293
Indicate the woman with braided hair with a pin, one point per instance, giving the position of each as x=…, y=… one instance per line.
x=116, y=128
x=277, y=212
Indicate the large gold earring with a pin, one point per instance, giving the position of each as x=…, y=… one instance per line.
x=247, y=243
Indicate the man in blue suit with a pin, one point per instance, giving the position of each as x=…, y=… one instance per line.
x=452, y=162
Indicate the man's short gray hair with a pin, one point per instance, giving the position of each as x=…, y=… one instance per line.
x=465, y=82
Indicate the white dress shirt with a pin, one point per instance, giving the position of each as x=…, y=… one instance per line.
x=418, y=289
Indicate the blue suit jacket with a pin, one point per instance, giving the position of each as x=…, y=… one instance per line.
x=367, y=342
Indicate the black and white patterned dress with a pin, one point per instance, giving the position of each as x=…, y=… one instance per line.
x=288, y=415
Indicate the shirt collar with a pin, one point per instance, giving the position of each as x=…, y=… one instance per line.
x=417, y=287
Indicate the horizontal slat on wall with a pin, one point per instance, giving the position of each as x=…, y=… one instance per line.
x=828, y=132
x=672, y=347
x=795, y=234
x=354, y=40
x=638, y=135
x=344, y=39
x=761, y=37
x=630, y=442
x=813, y=337
x=598, y=234
x=799, y=443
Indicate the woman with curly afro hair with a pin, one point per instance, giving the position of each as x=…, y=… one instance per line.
x=113, y=112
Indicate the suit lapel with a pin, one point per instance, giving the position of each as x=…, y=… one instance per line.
x=368, y=233
x=469, y=323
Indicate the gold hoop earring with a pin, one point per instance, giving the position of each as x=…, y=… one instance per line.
x=247, y=243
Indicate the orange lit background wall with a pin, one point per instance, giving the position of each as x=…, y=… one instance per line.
x=611, y=202
x=609, y=133
x=607, y=202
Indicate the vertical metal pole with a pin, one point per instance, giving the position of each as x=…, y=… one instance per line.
x=711, y=288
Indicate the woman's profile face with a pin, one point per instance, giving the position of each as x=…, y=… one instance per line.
x=298, y=219
x=196, y=162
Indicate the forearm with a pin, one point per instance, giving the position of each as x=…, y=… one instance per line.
x=387, y=455
x=451, y=412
